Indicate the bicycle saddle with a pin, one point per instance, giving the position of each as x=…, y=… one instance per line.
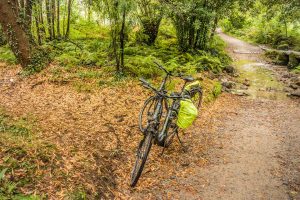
x=188, y=78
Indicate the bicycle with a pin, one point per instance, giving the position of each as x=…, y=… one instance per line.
x=158, y=128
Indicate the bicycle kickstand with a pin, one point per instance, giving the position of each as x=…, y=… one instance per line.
x=162, y=152
x=181, y=143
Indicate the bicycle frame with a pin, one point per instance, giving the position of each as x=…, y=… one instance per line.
x=162, y=134
x=156, y=130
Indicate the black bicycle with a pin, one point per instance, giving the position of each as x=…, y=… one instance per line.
x=157, y=118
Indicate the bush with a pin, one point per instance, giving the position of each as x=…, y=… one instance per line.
x=294, y=61
x=296, y=70
x=209, y=63
x=217, y=90
x=142, y=67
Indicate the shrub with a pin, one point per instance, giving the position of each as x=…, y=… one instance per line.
x=6, y=55
x=217, y=90
x=141, y=67
x=294, y=61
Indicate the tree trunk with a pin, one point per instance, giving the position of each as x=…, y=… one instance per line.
x=58, y=19
x=49, y=21
x=216, y=20
x=27, y=16
x=53, y=17
x=68, y=19
x=285, y=28
x=122, y=38
x=89, y=9
x=41, y=18
x=38, y=30
x=18, y=39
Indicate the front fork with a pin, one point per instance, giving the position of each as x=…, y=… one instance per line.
x=162, y=135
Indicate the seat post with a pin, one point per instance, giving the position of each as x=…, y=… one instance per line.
x=182, y=89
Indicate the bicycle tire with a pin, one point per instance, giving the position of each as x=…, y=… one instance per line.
x=197, y=100
x=145, y=144
x=151, y=101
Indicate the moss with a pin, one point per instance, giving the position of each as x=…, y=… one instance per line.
x=294, y=61
x=283, y=47
x=282, y=58
x=271, y=54
x=6, y=55
x=217, y=89
x=296, y=70
x=22, y=151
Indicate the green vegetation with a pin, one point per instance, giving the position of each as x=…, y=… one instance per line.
x=275, y=23
x=296, y=70
x=22, y=156
x=127, y=35
x=6, y=55
x=83, y=54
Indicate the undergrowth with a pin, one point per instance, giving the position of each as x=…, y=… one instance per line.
x=264, y=24
x=6, y=55
x=24, y=158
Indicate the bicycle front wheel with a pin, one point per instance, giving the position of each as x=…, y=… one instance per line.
x=141, y=157
x=148, y=110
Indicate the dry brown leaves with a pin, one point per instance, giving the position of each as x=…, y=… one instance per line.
x=96, y=135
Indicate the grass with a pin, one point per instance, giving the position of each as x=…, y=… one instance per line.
x=6, y=55
x=23, y=156
x=296, y=70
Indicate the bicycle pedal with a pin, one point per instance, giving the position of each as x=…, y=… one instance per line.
x=173, y=125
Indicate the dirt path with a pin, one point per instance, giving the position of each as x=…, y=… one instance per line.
x=259, y=158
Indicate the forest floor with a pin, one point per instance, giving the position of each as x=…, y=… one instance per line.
x=242, y=147
x=82, y=144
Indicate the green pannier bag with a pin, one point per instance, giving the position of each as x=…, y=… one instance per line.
x=187, y=113
x=193, y=85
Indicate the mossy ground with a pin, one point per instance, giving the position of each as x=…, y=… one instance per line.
x=25, y=158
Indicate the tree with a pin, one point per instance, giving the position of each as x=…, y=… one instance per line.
x=16, y=32
x=58, y=19
x=150, y=16
x=191, y=20
x=69, y=18
x=53, y=13
x=117, y=10
x=49, y=20
x=195, y=20
x=289, y=11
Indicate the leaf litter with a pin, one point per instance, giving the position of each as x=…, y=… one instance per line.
x=96, y=134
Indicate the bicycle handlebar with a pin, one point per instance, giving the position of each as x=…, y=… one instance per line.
x=162, y=68
x=147, y=85
x=180, y=75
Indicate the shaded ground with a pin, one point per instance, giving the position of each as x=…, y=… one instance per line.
x=239, y=148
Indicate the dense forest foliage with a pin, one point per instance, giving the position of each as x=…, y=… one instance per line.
x=275, y=23
x=128, y=35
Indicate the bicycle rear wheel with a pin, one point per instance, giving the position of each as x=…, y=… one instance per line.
x=141, y=157
x=196, y=97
